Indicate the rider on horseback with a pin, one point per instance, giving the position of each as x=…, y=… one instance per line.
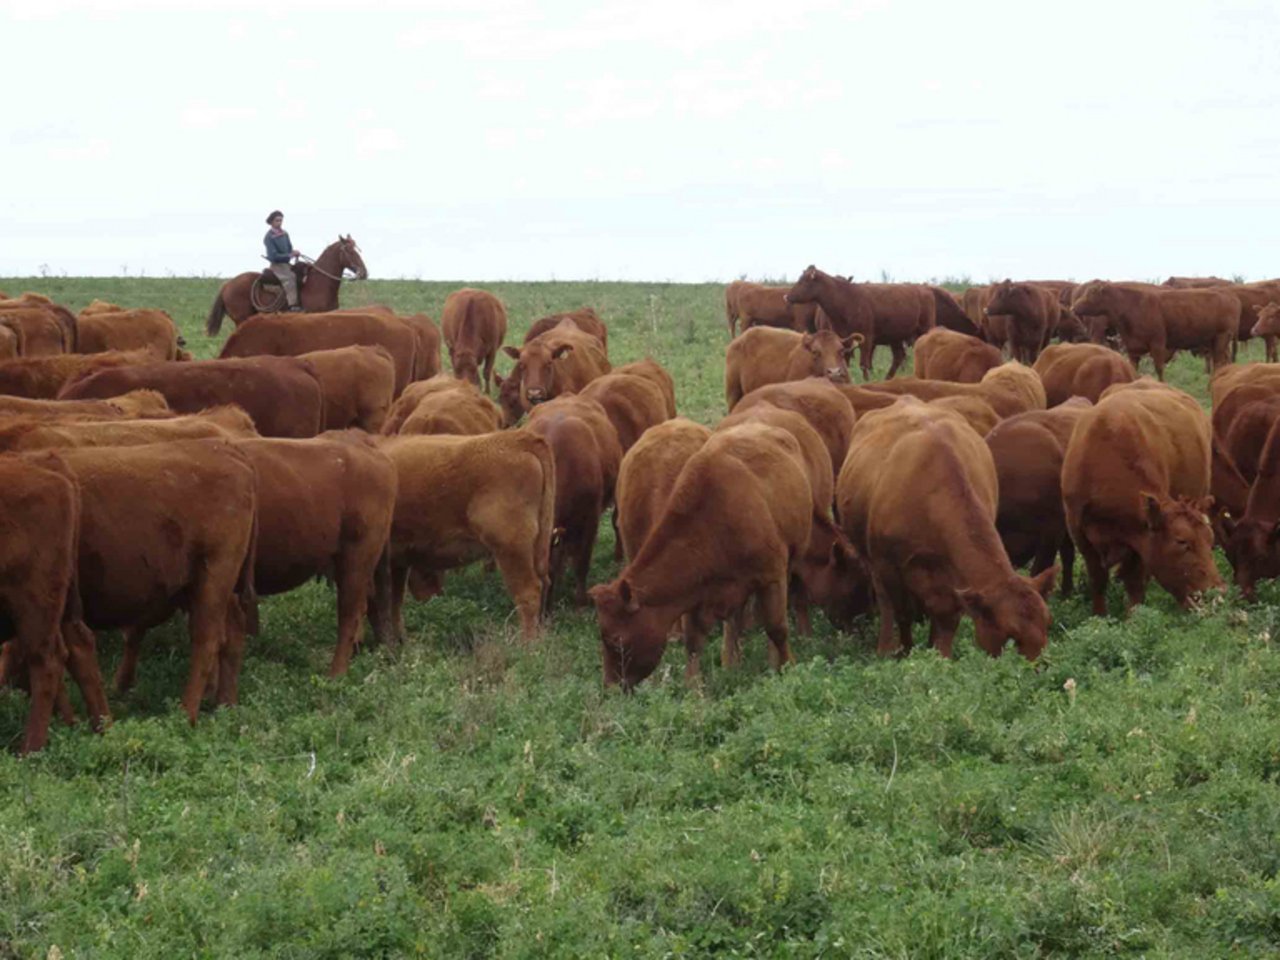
x=280, y=251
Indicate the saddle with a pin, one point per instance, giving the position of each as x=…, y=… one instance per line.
x=300, y=271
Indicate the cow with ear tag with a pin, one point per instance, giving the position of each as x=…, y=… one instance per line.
x=1135, y=485
x=562, y=360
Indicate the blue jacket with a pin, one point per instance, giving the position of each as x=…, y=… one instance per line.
x=278, y=248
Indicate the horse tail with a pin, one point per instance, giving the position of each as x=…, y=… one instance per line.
x=219, y=310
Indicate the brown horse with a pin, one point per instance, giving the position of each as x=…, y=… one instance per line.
x=317, y=289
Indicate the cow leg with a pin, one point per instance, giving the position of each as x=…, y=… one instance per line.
x=1158, y=358
x=1067, y=550
x=207, y=625
x=231, y=654
x=942, y=632
x=866, y=353
x=82, y=661
x=555, y=566
x=582, y=561
x=515, y=564
x=731, y=645
x=1133, y=574
x=488, y=371
x=887, y=645
x=1098, y=577
x=899, y=356
x=44, y=657
x=772, y=601
x=800, y=607
x=1271, y=348
x=127, y=671
x=617, y=537
x=695, y=638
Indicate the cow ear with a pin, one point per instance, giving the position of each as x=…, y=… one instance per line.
x=561, y=351
x=1151, y=507
x=630, y=602
x=511, y=352
x=973, y=603
x=852, y=340
x=1042, y=583
x=807, y=341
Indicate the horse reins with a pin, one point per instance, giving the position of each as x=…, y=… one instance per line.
x=325, y=273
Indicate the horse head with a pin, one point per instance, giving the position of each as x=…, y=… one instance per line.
x=350, y=258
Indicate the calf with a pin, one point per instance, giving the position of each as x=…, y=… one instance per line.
x=1080, y=370
x=1135, y=479
x=763, y=355
x=738, y=517
x=943, y=354
x=474, y=324
x=917, y=497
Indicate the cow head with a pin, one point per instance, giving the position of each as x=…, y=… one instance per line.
x=835, y=576
x=1070, y=328
x=1177, y=545
x=537, y=360
x=1006, y=297
x=828, y=355
x=632, y=635
x=805, y=290
x=509, y=400
x=1253, y=547
x=1015, y=610
x=1268, y=324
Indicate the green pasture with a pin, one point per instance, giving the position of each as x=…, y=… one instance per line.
x=467, y=797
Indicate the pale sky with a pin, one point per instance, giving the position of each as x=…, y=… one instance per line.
x=662, y=140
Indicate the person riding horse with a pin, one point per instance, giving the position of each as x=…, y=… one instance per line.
x=279, y=252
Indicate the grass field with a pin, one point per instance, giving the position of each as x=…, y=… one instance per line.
x=472, y=798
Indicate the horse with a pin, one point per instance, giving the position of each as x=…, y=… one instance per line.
x=317, y=288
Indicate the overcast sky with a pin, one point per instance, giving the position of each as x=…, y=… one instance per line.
x=690, y=140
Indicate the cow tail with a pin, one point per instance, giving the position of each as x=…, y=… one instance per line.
x=246, y=591
x=216, y=312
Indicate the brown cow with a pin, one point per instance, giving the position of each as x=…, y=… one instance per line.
x=293, y=334
x=974, y=303
x=1157, y=321
x=650, y=369
x=40, y=433
x=41, y=518
x=976, y=412
x=408, y=401
x=820, y=402
x=49, y=328
x=1080, y=370
x=1267, y=326
x=41, y=378
x=943, y=354
x=1188, y=283
x=1009, y=388
x=1135, y=480
x=587, y=456
x=170, y=526
x=763, y=355
x=1028, y=450
x=739, y=516
x=359, y=384
x=1253, y=540
x=917, y=496
x=633, y=404
x=282, y=394
x=461, y=498
x=648, y=474
x=584, y=318
x=892, y=313
x=758, y=305
x=474, y=324
x=104, y=326
x=426, y=358
x=562, y=360
x=950, y=314
x=139, y=403
x=1032, y=312
x=1246, y=417
x=349, y=488
x=12, y=341
x=462, y=411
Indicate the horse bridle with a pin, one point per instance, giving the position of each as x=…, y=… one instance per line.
x=325, y=273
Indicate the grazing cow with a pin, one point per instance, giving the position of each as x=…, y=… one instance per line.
x=282, y=394
x=891, y=313
x=950, y=314
x=758, y=305
x=40, y=514
x=104, y=326
x=1159, y=321
x=1080, y=370
x=359, y=385
x=169, y=526
x=1009, y=388
x=39, y=433
x=1028, y=450
x=763, y=355
x=587, y=457
x=562, y=360
x=460, y=411
x=415, y=393
x=820, y=402
x=41, y=378
x=1135, y=480
x=1032, y=312
x=650, y=369
x=1246, y=417
x=462, y=498
x=633, y=404
x=584, y=318
x=943, y=354
x=349, y=488
x=917, y=497
x=1267, y=326
x=139, y=403
x=474, y=324
x=293, y=334
x=1253, y=539
x=647, y=476
x=738, y=517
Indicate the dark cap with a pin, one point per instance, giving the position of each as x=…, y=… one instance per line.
x=273, y=214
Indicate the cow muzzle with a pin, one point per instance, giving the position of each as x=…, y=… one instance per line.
x=838, y=375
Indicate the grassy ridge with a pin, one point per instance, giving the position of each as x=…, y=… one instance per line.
x=467, y=797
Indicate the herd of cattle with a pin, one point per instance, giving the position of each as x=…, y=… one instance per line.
x=139, y=482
